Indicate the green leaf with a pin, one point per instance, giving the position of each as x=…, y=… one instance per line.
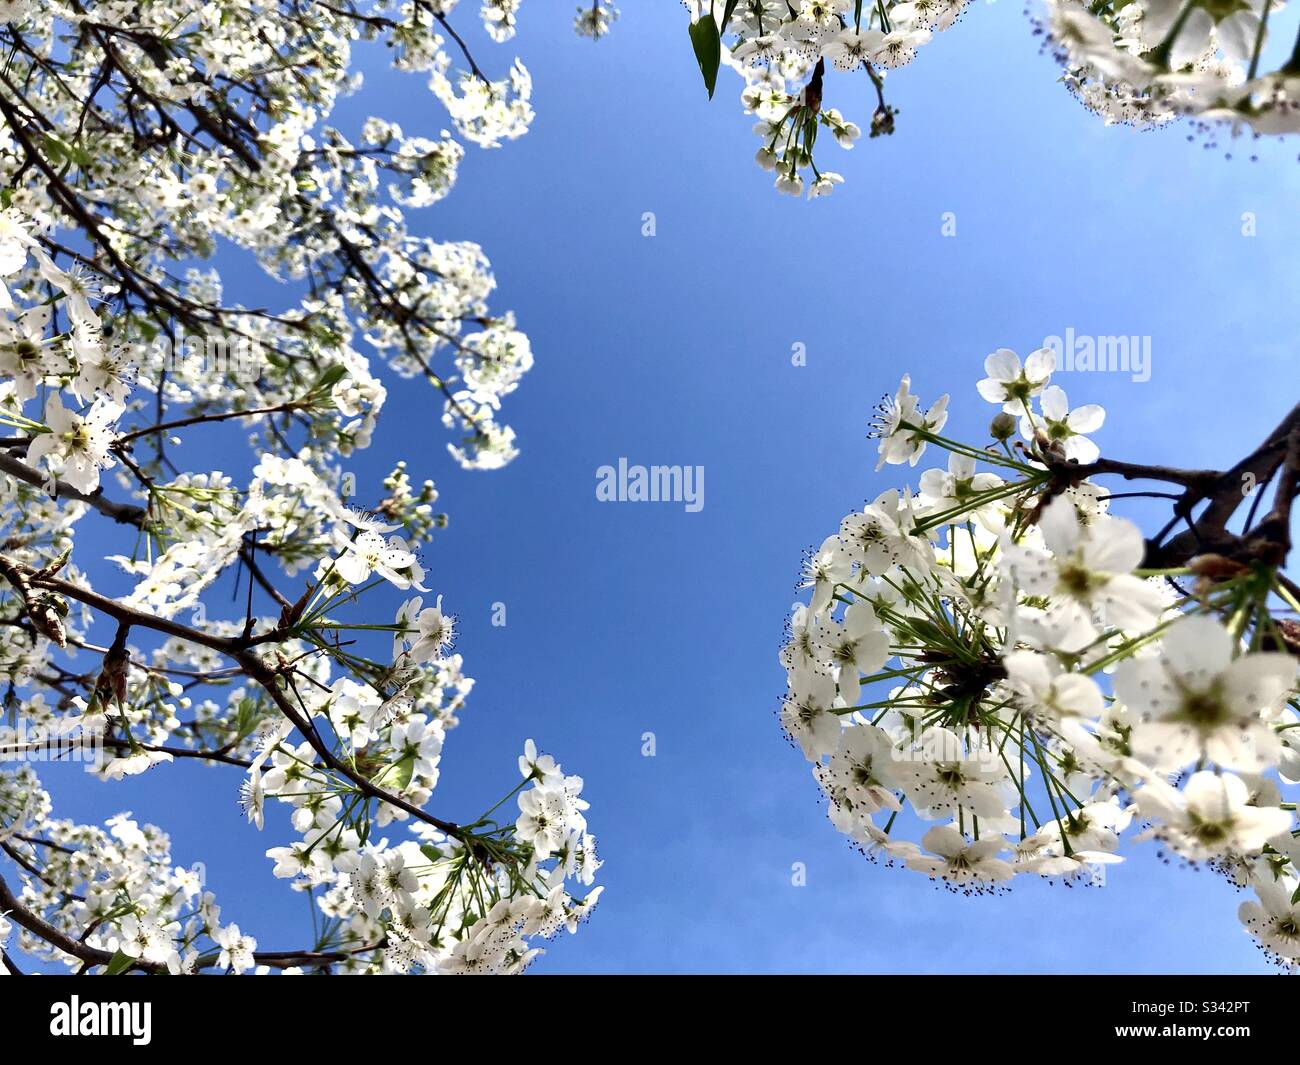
x=327, y=380
x=708, y=50
x=726, y=13
x=71, y=153
x=1296, y=897
x=118, y=964
x=401, y=776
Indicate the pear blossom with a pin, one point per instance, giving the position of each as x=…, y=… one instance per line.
x=1209, y=817
x=236, y=949
x=1087, y=569
x=900, y=425
x=146, y=939
x=866, y=769
x=827, y=567
x=853, y=47
x=947, y=490
x=944, y=775
x=433, y=631
x=1196, y=699
x=808, y=714
x=540, y=767
x=1047, y=688
x=797, y=58
x=859, y=645
x=1273, y=918
x=1065, y=427
x=958, y=862
x=77, y=445
x=1012, y=384
x=26, y=356
x=370, y=553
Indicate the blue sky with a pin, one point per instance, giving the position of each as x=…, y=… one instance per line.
x=675, y=349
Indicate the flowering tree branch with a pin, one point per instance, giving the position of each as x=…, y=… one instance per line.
x=1143, y=63
x=138, y=139
x=996, y=662
x=90, y=956
x=1149, y=63
x=1223, y=492
x=125, y=513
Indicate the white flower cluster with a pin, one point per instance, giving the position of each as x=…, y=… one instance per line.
x=596, y=19
x=989, y=684
x=115, y=889
x=430, y=903
x=782, y=49
x=265, y=172
x=1147, y=62
x=471, y=898
x=73, y=443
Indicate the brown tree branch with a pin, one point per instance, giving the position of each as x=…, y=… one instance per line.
x=124, y=513
x=253, y=665
x=15, y=911
x=1224, y=492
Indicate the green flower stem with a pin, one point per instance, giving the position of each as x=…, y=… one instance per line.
x=966, y=449
x=976, y=501
x=1259, y=41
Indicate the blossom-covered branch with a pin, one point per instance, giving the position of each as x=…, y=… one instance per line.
x=782, y=50
x=1148, y=62
x=996, y=663
x=1143, y=63
x=135, y=141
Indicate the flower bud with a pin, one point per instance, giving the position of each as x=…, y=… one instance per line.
x=47, y=613
x=112, y=678
x=1003, y=427
x=1216, y=567
x=1286, y=638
